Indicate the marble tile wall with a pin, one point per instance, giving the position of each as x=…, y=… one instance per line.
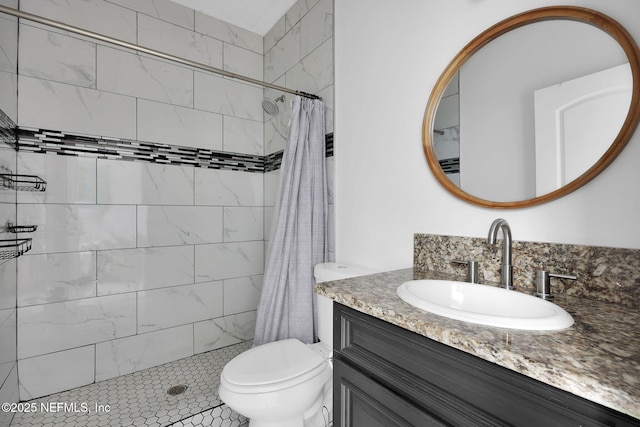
x=151, y=99
x=298, y=54
x=131, y=263
x=135, y=264
x=8, y=293
x=8, y=278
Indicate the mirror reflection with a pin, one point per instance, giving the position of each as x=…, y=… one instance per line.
x=532, y=110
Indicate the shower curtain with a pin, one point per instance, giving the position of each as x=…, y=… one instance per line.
x=299, y=237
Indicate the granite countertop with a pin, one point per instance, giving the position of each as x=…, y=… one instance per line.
x=598, y=358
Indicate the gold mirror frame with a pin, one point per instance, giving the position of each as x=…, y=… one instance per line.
x=584, y=15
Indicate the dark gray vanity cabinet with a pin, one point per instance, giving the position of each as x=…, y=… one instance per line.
x=387, y=376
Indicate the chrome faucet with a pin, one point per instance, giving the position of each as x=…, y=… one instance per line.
x=507, y=268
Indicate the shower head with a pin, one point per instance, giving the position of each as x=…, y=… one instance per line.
x=270, y=106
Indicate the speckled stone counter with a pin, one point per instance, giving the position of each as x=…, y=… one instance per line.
x=604, y=273
x=598, y=358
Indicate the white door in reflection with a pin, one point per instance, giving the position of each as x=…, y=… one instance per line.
x=575, y=123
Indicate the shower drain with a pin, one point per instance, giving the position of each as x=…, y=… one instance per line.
x=176, y=390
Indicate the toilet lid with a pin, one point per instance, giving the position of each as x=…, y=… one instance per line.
x=271, y=363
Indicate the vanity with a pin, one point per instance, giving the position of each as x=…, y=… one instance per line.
x=398, y=365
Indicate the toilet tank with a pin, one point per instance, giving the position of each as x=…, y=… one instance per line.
x=326, y=272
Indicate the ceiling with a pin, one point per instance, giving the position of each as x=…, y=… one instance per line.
x=258, y=16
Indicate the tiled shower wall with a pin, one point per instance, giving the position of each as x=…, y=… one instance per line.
x=8, y=118
x=135, y=263
x=8, y=289
x=139, y=263
x=298, y=54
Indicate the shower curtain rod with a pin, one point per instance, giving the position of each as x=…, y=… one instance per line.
x=70, y=28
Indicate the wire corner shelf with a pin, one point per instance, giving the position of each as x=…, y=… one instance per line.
x=23, y=182
x=21, y=228
x=13, y=248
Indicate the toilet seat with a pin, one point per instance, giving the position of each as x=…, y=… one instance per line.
x=274, y=366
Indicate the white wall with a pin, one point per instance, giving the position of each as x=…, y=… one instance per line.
x=388, y=56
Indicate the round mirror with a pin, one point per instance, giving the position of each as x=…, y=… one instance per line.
x=533, y=108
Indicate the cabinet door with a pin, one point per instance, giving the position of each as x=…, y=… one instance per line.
x=359, y=401
x=399, y=367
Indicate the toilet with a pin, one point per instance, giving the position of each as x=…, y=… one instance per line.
x=287, y=383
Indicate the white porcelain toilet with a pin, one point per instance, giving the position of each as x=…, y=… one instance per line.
x=287, y=383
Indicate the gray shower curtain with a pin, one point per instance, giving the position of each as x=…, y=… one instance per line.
x=298, y=240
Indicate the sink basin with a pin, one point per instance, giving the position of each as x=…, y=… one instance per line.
x=485, y=305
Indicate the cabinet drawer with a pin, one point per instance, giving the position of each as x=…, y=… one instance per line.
x=365, y=403
x=456, y=387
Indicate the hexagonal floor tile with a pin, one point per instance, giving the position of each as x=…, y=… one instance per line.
x=141, y=398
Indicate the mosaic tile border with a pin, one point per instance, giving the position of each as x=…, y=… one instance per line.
x=51, y=141
x=70, y=144
x=273, y=161
x=329, y=144
x=450, y=165
x=7, y=130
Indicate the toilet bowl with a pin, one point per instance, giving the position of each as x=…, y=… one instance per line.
x=276, y=384
x=287, y=383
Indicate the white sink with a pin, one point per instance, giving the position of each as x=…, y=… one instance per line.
x=483, y=304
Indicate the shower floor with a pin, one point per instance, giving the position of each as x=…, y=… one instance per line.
x=141, y=399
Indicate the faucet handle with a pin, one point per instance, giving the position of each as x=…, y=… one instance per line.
x=472, y=269
x=543, y=282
